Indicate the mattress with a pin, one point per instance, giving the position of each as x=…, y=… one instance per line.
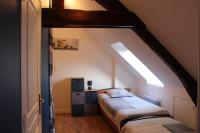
x=124, y=109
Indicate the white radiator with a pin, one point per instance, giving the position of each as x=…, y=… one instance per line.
x=152, y=100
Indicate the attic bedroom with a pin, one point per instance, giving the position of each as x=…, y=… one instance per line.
x=92, y=62
x=96, y=61
x=99, y=66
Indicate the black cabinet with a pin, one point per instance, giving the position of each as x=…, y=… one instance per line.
x=78, y=96
x=84, y=102
x=91, y=109
x=91, y=97
x=77, y=84
x=78, y=110
x=91, y=103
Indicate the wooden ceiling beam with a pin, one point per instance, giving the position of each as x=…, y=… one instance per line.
x=58, y=4
x=78, y=18
x=112, y=5
x=187, y=80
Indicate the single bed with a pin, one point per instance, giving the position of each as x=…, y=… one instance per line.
x=126, y=112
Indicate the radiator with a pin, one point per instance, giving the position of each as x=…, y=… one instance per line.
x=152, y=100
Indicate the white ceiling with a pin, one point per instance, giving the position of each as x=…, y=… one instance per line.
x=175, y=23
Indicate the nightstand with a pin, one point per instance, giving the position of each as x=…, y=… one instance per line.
x=91, y=103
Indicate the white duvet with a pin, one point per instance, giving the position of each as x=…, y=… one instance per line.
x=139, y=107
x=153, y=125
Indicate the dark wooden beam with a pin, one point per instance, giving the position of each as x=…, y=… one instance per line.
x=77, y=18
x=58, y=4
x=113, y=5
x=187, y=80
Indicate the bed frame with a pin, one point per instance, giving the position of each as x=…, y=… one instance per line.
x=111, y=123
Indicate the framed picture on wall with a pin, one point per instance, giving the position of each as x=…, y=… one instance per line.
x=65, y=44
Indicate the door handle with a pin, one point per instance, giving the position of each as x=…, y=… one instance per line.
x=41, y=101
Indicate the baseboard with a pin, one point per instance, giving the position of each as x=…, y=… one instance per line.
x=62, y=111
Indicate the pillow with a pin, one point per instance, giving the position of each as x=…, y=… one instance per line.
x=104, y=96
x=114, y=93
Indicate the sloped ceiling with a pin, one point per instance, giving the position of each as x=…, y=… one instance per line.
x=176, y=24
x=106, y=37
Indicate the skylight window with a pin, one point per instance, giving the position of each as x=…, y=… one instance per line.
x=127, y=55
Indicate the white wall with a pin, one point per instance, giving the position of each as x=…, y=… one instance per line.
x=91, y=61
x=123, y=77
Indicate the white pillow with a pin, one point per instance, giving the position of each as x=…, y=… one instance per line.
x=104, y=96
x=114, y=93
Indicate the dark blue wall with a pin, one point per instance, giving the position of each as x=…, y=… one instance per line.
x=45, y=91
x=10, y=75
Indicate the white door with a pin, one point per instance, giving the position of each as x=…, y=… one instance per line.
x=31, y=88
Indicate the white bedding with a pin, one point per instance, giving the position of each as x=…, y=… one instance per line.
x=153, y=125
x=139, y=107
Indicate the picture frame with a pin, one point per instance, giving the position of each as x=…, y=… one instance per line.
x=65, y=44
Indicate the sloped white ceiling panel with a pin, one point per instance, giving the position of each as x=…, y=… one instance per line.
x=176, y=24
x=107, y=37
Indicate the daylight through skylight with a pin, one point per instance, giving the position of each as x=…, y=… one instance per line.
x=136, y=64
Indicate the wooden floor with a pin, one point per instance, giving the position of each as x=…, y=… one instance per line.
x=65, y=123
